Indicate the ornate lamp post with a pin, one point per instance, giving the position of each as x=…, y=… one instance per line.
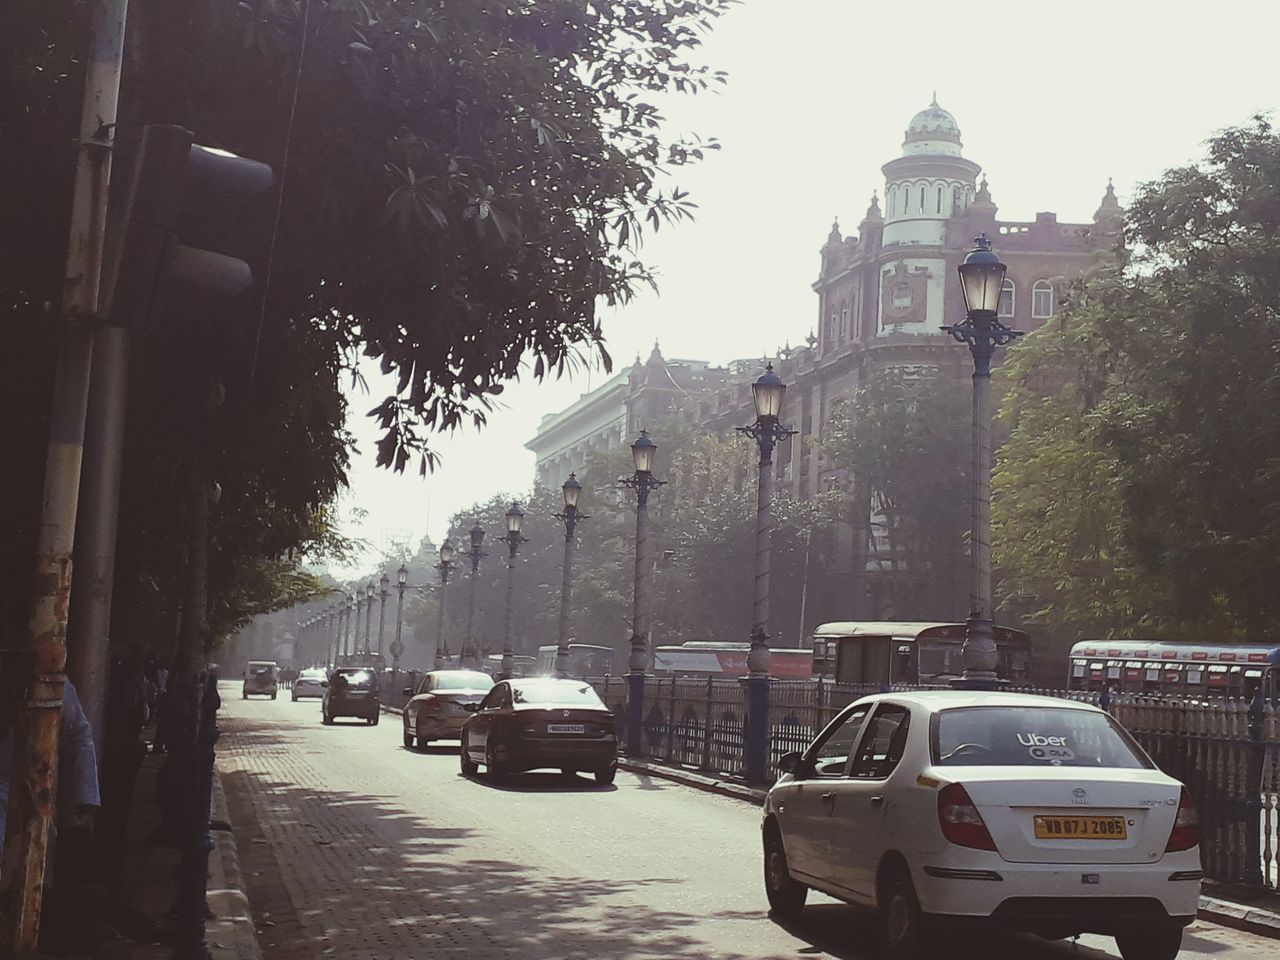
x=446, y=563
x=397, y=646
x=383, y=582
x=572, y=489
x=981, y=279
x=767, y=392
x=357, y=602
x=352, y=607
x=335, y=625
x=469, y=656
x=643, y=451
x=368, y=616
x=513, y=539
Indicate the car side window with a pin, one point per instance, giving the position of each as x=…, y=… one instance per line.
x=425, y=686
x=829, y=755
x=883, y=743
x=492, y=698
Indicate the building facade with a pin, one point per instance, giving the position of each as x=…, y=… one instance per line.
x=883, y=294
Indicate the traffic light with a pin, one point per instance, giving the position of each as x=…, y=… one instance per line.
x=193, y=218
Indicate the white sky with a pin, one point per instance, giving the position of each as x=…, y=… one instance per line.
x=819, y=94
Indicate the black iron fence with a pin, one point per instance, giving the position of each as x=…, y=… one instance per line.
x=1227, y=752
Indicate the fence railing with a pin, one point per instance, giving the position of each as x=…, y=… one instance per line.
x=1227, y=752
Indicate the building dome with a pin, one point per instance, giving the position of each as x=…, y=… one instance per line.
x=932, y=130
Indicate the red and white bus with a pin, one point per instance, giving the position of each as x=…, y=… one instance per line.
x=1200, y=667
x=704, y=659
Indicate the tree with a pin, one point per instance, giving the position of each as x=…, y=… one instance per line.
x=1139, y=490
x=902, y=444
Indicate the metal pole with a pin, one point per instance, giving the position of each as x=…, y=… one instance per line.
x=397, y=648
x=31, y=799
x=638, y=662
x=469, y=651
x=346, y=629
x=566, y=592
x=508, y=646
x=442, y=642
x=758, y=658
x=368, y=623
x=355, y=637
x=979, y=649
x=382, y=620
x=89, y=621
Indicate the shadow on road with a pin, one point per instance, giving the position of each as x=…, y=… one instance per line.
x=540, y=782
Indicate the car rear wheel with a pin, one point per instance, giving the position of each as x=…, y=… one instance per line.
x=373, y=721
x=273, y=696
x=469, y=766
x=495, y=767
x=423, y=742
x=605, y=775
x=1150, y=943
x=786, y=895
x=905, y=927
x=408, y=739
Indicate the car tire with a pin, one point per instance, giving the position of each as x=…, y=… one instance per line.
x=326, y=719
x=786, y=895
x=1150, y=943
x=373, y=721
x=294, y=698
x=605, y=775
x=273, y=696
x=243, y=695
x=906, y=930
x=408, y=740
x=423, y=743
x=469, y=766
x=491, y=763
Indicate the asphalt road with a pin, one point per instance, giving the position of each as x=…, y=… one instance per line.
x=353, y=847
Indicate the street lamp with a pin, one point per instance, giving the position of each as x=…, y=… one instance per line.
x=643, y=451
x=397, y=647
x=446, y=563
x=767, y=392
x=383, y=582
x=357, y=602
x=572, y=489
x=981, y=279
x=513, y=539
x=335, y=625
x=476, y=533
x=368, y=617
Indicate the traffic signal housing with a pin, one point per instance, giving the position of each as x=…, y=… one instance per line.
x=194, y=218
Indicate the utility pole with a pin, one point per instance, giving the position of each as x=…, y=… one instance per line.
x=31, y=803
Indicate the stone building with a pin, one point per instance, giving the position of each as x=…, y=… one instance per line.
x=883, y=294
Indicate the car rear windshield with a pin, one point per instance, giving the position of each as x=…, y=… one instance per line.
x=261, y=669
x=1032, y=737
x=574, y=694
x=359, y=679
x=463, y=680
x=311, y=675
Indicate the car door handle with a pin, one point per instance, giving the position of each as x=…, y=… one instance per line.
x=829, y=799
x=877, y=800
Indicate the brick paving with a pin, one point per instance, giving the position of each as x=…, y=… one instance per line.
x=355, y=848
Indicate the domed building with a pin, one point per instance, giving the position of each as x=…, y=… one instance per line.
x=883, y=294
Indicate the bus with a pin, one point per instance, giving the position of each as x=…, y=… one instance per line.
x=885, y=652
x=585, y=660
x=697, y=658
x=522, y=666
x=1187, y=667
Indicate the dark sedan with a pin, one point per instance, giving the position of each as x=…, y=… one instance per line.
x=351, y=692
x=532, y=722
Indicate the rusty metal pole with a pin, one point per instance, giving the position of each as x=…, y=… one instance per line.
x=30, y=803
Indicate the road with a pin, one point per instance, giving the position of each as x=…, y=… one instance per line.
x=355, y=848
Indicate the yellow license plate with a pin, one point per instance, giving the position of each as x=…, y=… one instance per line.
x=1080, y=828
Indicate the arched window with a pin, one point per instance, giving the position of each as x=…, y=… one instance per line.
x=939, y=200
x=1042, y=300
x=1006, y=299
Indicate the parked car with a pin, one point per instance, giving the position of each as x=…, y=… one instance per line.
x=310, y=683
x=351, y=692
x=436, y=707
x=532, y=722
x=261, y=677
x=1018, y=812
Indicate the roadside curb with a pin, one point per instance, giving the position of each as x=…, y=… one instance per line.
x=1265, y=923
x=690, y=778
x=229, y=930
x=1255, y=920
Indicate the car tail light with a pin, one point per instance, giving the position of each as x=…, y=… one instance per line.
x=1186, y=826
x=960, y=820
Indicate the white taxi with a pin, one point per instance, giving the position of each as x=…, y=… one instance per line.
x=946, y=808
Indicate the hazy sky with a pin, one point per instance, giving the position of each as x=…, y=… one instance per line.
x=1054, y=100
